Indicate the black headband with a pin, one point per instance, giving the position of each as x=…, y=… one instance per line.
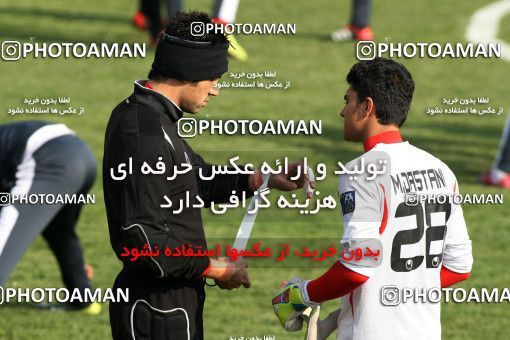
x=190, y=60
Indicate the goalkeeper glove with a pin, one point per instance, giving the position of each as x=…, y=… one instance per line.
x=289, y=302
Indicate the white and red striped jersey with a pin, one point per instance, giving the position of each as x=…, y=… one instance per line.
x=417, y=237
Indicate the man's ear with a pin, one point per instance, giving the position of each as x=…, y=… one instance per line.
x=369, y=108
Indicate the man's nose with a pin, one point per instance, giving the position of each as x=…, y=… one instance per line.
x=214, y=91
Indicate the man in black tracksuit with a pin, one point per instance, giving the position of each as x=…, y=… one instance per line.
x=167, y=293
x=41, y=158
x=144, y=128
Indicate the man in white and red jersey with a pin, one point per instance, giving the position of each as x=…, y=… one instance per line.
x=424, y=244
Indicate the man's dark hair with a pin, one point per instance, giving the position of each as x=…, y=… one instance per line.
x=388, y=83
x=179, y=25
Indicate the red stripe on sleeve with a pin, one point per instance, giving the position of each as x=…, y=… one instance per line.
x=336, y=282
x=385, y=214
x=219, y=21
x=449, y=277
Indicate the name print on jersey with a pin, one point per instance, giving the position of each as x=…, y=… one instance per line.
x=418, y=180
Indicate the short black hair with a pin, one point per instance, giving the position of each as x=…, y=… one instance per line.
x=179, y=25
x=388, y=83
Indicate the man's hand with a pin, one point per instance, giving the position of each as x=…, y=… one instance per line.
x=289, y=304
x=235, y=275
x=283, y=181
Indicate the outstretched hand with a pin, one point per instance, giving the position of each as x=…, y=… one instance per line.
x=289, y=182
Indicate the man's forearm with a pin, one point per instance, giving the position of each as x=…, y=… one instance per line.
x=219, y=188
x=219, y=270
x=336, y=282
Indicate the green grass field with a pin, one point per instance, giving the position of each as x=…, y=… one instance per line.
x=316, y=69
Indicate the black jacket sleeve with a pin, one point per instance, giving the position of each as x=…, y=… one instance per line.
x=219, y=189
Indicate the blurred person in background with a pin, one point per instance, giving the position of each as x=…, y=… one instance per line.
x=42, y=158
x=148, y=17
x=499, y=174
x=359, y=28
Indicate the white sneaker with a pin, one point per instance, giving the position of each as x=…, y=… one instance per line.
x=343, y=34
